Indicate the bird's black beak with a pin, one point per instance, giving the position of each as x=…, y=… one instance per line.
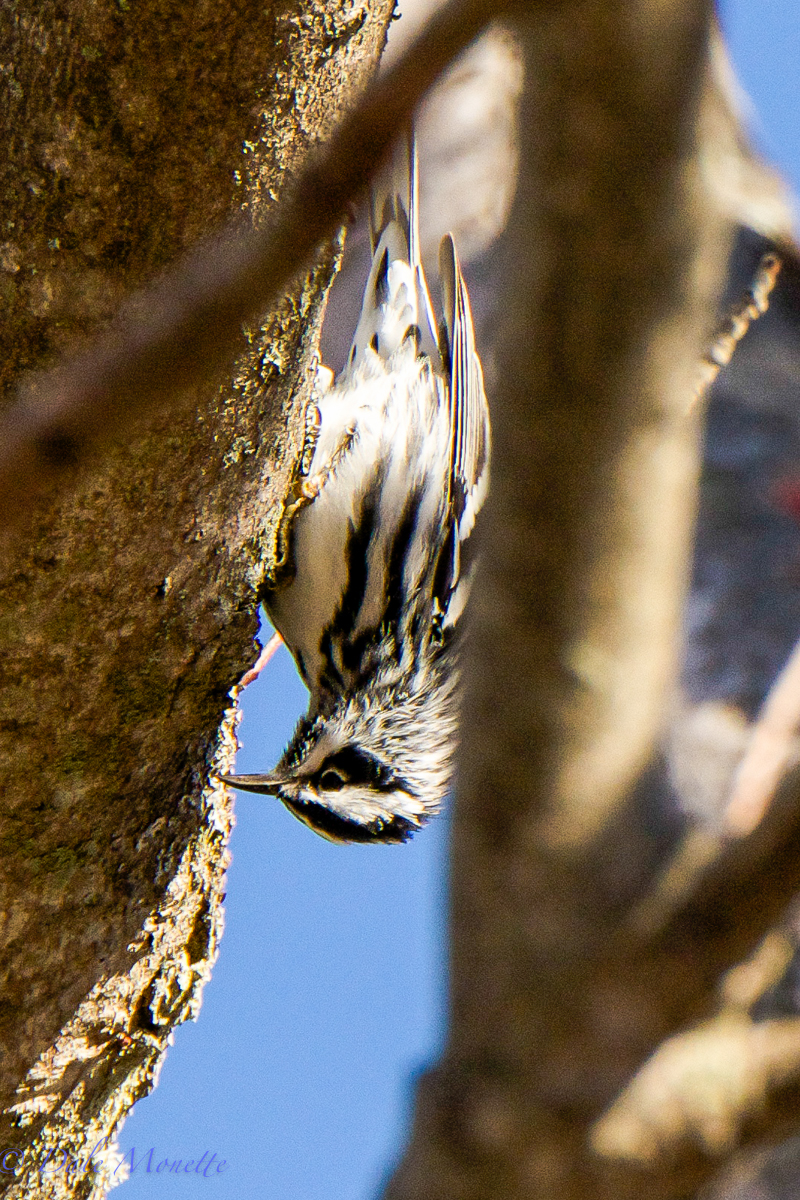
x=263, y=785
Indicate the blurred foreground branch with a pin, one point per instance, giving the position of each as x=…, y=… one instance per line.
x=184, y=328
x=616, y=257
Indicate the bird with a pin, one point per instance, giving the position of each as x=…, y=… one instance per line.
x=379, y=548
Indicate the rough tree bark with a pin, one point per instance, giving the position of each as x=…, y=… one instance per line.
x=131, y=130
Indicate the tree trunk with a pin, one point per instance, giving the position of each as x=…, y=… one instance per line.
x=134, y=127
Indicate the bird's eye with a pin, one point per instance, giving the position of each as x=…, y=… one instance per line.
x=331, y=781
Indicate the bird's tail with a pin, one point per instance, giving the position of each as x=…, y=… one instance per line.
x=396, y=303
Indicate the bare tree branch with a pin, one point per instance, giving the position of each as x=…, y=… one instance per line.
x=736, y=323
x=772, y=750
x=617, y=255
x=184, y=328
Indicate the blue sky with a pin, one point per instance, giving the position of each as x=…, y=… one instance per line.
x=764, y=39
x=329, y=992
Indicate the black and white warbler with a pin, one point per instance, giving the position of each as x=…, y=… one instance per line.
x=378, y=542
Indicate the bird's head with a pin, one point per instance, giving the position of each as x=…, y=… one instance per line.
x=366, y=771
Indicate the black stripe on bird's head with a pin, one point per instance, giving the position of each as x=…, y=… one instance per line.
x=347, y=798
x=390, y=830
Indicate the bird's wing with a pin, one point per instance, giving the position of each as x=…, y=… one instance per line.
x=469, y=412
x=468, y=479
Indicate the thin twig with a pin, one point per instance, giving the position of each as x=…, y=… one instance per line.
x=181, y=330
x=773, y=749
x=268, y=652
x=753, y=304
x=772, y=752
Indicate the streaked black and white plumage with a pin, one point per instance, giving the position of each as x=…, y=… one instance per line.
x=380, y=543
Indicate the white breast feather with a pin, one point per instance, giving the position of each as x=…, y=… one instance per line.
x=391, y=407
